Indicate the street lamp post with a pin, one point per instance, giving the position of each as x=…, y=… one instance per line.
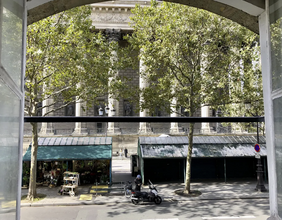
x=260, y=184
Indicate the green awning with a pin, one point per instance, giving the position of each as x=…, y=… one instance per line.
x=200, y=150
x=65, y=152
x=203, y=146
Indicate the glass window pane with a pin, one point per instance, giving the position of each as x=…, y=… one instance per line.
x=11, y=38
x=11, y=35
x=9, y=156
x=277, y=103
x=276, y=42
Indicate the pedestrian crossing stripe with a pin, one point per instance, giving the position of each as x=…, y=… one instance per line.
x=100, y=187
x=10, y=204
x=85, y=197
x=162, y=219
x=98, y=191
x=228, y=217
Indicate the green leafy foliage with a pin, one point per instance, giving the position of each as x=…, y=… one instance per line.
x=66, y=58
x=196, y=58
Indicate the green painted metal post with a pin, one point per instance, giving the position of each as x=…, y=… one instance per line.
x=184, y=170
x=225, y=170
x=264, y=168
x=260, y=184
x=110, y=171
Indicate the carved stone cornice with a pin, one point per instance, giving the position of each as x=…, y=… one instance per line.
x=111, y=17
x=114, y=14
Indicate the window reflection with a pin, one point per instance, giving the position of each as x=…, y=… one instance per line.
x=276, y=53
x=9, y=161
x=11, y=31
x=11, y=40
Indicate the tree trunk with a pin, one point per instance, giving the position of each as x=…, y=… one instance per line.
x=33, y=164
x=187, y=189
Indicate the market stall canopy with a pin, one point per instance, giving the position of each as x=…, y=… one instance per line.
x=203, y=146
x=72, y=148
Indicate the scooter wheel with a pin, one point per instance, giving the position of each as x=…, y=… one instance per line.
x=158, y=200
x=134, y=201
x=127, y=193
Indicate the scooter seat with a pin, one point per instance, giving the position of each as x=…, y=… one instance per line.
x=141, y=194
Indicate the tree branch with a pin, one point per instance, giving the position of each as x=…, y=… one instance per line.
x=57, y=92
x=61, y=107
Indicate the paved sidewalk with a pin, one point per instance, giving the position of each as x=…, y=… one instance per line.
x=121, y=172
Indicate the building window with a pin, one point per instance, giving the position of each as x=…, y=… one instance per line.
x=128, y=111
x=39, y=109
x=214, y=113
x=156, y=112
x=99, y=127
x=70, y=110
x=183, y=112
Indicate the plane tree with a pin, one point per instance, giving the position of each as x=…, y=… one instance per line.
x=67, y=59
x=194, y=57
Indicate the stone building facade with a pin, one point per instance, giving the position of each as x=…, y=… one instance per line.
x=112, y=17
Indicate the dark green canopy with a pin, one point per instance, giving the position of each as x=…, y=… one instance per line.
x=203, y=146
x=54, y=149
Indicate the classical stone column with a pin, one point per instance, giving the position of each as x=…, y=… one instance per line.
x=205, y=127
x=47, y=127
x=80, y=127
x=174, y=128
x=144, y=127
x=113, y=104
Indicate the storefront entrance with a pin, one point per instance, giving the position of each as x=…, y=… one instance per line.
x=90, y=157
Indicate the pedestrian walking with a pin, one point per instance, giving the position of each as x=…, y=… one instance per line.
x=125, y=152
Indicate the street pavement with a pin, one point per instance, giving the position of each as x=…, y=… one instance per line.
x=121, y=173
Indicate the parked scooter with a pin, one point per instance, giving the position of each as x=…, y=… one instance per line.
x=151, y=196
x=128, y=189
